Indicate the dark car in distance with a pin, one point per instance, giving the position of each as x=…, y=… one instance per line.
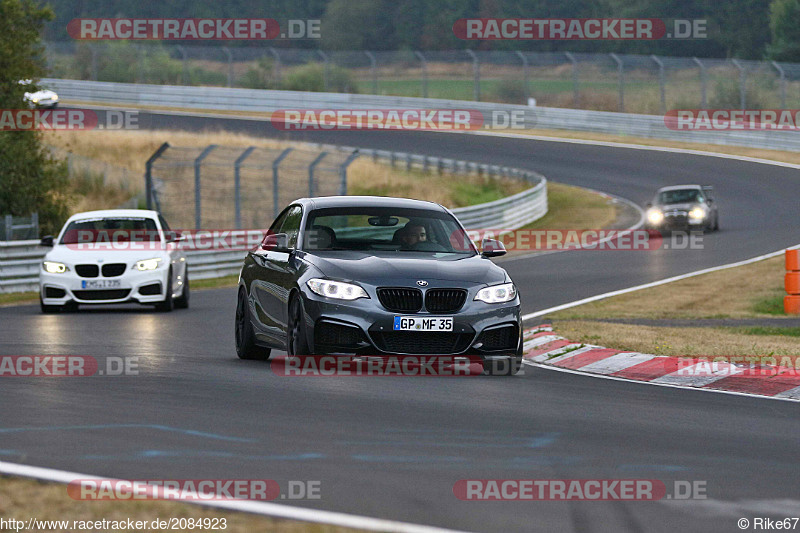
x=361, y=275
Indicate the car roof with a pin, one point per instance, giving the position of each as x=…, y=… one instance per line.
x=324, y=202
x=110, y=213
x=679, y=187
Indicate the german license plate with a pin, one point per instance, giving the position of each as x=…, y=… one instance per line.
x=101, y=284
x=428, y=323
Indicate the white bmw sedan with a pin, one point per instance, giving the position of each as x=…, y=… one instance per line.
x=114, y=256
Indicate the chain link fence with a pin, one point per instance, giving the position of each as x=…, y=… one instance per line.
x=605, y=82
x=226, y=187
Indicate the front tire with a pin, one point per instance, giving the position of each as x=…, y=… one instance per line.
x=169, y=303
x=246, y=347
x=182, y=302
x=296, y=342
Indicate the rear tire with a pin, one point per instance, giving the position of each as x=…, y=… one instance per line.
x=296, y=342
x=246, y=347
x=182, y=302
x=169, y=303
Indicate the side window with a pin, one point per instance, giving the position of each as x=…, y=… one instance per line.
x=276, y=225
x=291, y=225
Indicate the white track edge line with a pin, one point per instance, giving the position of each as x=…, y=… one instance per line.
x=670, y=385
x=252, y=507
x=657, y=283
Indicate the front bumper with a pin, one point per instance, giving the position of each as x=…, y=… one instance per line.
x=133, y=286
x=365, y=327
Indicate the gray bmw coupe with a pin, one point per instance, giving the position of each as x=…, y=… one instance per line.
x=360, y=276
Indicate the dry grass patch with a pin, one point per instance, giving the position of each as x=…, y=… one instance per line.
x=23, y=499
x=730, y=293
x=675, y=341
x=576, y=208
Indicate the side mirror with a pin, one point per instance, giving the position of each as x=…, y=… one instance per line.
x=277, y=242
x=47, y=240
x=492, y=248
x=174, y=236
x=649, y=205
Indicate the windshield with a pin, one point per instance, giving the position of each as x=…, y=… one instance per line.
x=369, y=229
x=118, y=229
x=680, y=196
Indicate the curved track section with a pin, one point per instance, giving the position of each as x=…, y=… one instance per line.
x=394, y=448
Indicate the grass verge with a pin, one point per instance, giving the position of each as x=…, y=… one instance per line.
x=747, y=292
x=22, y=499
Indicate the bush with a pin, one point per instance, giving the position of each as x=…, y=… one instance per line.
x=311, y=78
x=510, y=91
x=726, y=95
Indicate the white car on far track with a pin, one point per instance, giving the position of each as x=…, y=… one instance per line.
x=114, y=256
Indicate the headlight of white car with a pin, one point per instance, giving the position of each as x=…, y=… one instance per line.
x=497, y=294
x=655, y=216
x=148, y=264
x=53, y=267
x=697, y=213
x=336, y=289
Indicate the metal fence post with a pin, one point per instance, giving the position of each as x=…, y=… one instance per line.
x=343, y=171
x=621, y=82
x=703, y=81
x=35, y=223
x=476, y=71
x=524, y=59
x=198, y=204
x=93, y=52
x=783, y=83
x=326, y=62
x=275, y=188
x=575, y=89
x=661, y=82
x=373, y=64
x=277, y=67
x=148, y=175
x=230, y=65
x=742, y=84
x=237, y=165
x=140, y=64
x=184, y=66
x=311, y=168
x=424, y=73
x=9, y=228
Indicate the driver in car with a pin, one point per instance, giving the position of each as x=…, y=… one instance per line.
x=413, y=233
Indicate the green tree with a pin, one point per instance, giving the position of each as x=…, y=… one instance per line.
x=783, y=24
x=30, y=179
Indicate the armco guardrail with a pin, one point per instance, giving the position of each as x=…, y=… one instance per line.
x=20, y=261
x=219, y=98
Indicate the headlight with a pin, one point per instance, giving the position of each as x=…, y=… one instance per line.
x=55, y=97
x=35, y=100
x=655, y=216
x=497, y=294
x=697, y=212
x=148, y=264
x=54, y=268
x=336, y=289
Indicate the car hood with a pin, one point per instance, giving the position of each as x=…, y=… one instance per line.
x=70, y=256
x=678, y=207
x=407, y=268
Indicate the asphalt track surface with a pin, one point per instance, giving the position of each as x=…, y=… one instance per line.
x=394, y=447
